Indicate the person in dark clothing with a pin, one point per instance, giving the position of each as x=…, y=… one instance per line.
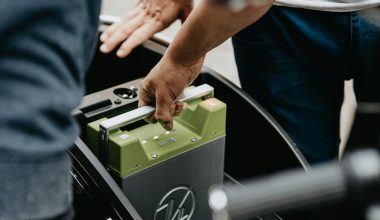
x=45, y=50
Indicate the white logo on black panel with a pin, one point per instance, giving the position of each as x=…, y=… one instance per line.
x=177, y=204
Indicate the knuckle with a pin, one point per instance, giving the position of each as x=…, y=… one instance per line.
x=125, y=31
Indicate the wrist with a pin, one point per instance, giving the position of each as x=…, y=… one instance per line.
x=189, y=68
x=184, y=54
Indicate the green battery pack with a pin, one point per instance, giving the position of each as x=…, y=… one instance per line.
x=163, y=171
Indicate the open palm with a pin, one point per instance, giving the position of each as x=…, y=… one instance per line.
x=142, y=22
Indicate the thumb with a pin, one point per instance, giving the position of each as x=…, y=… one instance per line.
x=165, y=108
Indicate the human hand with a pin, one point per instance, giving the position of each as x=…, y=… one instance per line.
x=163, y=85
x=138, y=25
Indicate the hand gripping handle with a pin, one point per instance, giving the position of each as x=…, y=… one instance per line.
x=116, y=122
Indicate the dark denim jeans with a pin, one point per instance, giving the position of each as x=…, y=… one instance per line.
x=295, y=61
x=46, y=47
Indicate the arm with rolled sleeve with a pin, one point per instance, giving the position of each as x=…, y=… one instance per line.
x=45, y=50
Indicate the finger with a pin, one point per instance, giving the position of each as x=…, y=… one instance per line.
x=145, y=98
x=138, y=37
x=172, y=109
x=151, y=119
x=111, y=29
x=122, y=33
x=164, y=109
x=178, y=107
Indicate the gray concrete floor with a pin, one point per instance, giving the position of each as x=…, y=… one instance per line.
x=221, y=59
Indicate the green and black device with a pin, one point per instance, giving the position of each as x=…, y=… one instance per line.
x=166, y=174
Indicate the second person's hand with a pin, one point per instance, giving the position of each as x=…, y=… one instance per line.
x=141, y=23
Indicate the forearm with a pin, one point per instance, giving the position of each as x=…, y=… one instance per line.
x=208, y=26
